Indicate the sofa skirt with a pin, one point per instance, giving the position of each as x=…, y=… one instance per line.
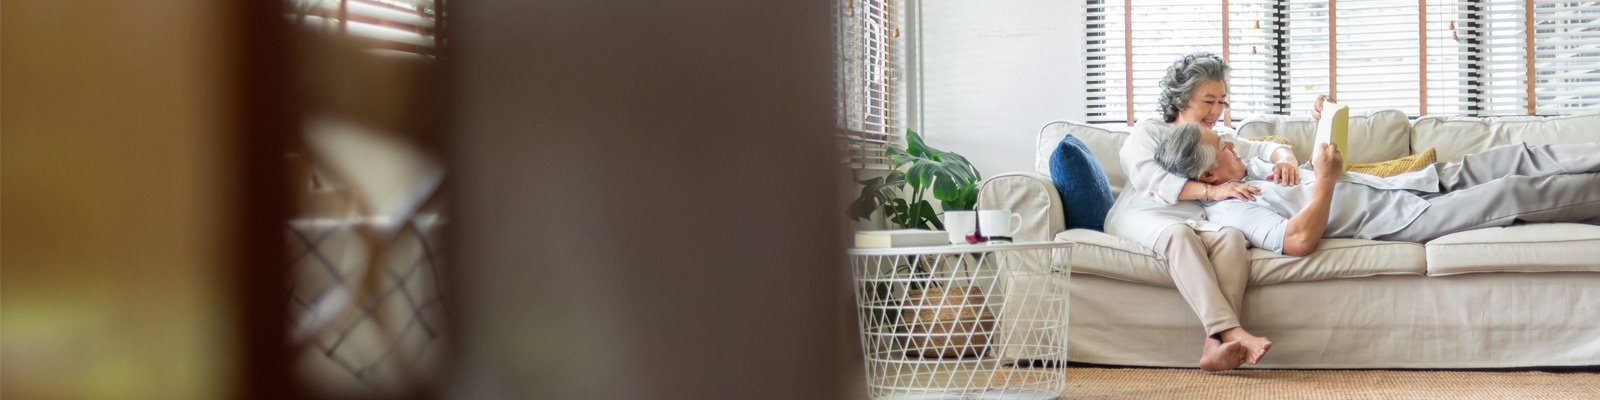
x=1481, y=320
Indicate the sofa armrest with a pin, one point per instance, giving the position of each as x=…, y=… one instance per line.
x=1029, y=194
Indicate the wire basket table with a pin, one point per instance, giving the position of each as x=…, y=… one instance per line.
x=984, y=321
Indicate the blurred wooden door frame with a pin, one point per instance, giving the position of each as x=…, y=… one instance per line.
x=267, y=119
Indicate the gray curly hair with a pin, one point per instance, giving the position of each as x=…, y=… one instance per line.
x=1186, y=75
x=1181, y=153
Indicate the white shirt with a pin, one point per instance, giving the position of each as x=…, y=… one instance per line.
x=1364, y=206
x=1149, y=203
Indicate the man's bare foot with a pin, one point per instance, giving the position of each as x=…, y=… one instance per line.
x=1219, y=356
x=1256, y=346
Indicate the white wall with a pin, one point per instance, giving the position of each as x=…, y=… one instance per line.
x=986, y=75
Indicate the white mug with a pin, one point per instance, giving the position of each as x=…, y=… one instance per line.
x=959, y=224
x=998, y=224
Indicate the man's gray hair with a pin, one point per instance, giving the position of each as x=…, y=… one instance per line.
x=1181, y=153
x=1185, y=76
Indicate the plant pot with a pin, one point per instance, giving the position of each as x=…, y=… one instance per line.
x=946, y=322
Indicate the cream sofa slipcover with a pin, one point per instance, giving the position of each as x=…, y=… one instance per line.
x=1519, y=296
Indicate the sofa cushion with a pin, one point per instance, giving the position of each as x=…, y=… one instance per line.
x=1338, y=258
x=1104, y=141
x=1102, y=254
x=1452, y=137
x=1085, y=193
x=1113, y=257
x=1375, y=136
x=1517, y=248
x=1457, y=136
x=1564, y=129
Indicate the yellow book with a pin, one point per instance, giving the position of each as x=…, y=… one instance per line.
x=1334, y=127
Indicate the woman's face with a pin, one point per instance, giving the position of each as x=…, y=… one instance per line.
x=1207, y=104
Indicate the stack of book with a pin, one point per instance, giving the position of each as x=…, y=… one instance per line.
x=901, y=238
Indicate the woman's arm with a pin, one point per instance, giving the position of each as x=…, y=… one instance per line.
x=1145, y=178
x=1285, y=167
x=1197, y=190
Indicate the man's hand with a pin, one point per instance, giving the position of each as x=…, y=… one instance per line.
x=1233, y=190
x=1316, y=109
x=1327, y=163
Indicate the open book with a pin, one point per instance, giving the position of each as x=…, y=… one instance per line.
x=1334, y=127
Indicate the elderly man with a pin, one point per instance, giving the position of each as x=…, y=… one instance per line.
x=1559, y=183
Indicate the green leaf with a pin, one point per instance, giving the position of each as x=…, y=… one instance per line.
x=928, y=218
x=946, y=190
x=950, y=177
x=914, y=144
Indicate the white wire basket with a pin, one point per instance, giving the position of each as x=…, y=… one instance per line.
x=964, y=322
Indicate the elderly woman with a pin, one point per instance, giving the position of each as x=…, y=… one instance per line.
x=1161, y=211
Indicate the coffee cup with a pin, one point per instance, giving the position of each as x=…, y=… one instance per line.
x=959, y=224
x=999, y=225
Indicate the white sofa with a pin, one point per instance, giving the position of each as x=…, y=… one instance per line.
x=1520, y=296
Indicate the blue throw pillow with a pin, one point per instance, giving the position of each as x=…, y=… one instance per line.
x=1085, y=192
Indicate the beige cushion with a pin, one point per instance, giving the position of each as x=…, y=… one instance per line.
x=1104, y=141
x=1456, y=136
x=1378, y=136
x=1298, y=130
x=1113, y=257
x=1517, y=248
x=1109, y=256
x=1565, y=129
x=1338, y=258
x=1451, y=136
x=1375, y=136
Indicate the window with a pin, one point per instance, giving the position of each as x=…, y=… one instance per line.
x=868, y=80
x=1406, y=58
x=403, y=27
x=1160, y=32
x=1437, y=56
x=1562, y=50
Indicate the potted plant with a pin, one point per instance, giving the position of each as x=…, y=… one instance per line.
x=950, y=177
x=939, y=321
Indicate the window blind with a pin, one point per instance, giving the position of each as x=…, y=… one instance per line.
x=869, y=88
x=385, y=26
x=1388, y=56
x=1131, y=43
x=1553, y=68
x=1470, y=57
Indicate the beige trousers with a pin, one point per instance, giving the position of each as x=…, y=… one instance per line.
x=1211, y=270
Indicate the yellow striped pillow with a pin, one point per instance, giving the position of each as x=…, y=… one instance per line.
x=1399, y=165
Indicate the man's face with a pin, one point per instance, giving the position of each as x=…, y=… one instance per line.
x=1229, y=167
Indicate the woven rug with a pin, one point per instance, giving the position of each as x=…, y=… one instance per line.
x=1149, y=383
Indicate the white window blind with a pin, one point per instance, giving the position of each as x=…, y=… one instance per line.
x=1131, y=43
x=385, y=26
x=1563, y=53
x=1421, y=57
x=1390, y=56
x=870, y=47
